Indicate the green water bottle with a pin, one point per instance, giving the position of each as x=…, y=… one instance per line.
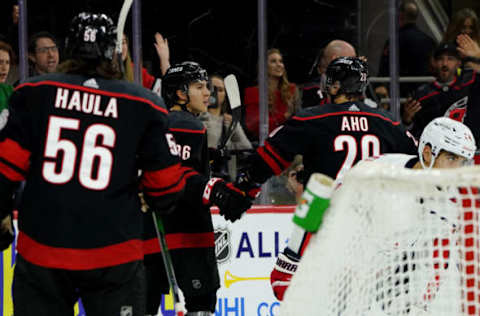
x=314, y=202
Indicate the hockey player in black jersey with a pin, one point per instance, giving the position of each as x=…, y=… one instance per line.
x=331, y=137
x=189, y=229
x=78, y=139
x=444, y=144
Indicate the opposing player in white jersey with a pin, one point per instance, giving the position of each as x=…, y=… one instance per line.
x=444, y=143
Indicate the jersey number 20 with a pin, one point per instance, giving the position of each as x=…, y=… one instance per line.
x=93, y=149
x=369, y=147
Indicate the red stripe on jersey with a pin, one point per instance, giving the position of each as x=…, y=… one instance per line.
x=345, y=113
x=428, y=96
x=305, y=243
x=10, y=173
x=311, y=87
x=95, y=91
x=184, y=130
x=78, y=259
x=189, y=173
x=164, y=179
x=436, y=84
x=269, y=161
x=263, y=209
x=12, y=152
x=469, y=82
x=186, y=172
x=284, y=163
x=180, y=241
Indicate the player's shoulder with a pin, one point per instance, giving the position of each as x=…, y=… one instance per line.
x=397, y=160
x=332, y=110
x=41, y=80
x=112, y=87
x=183, y=121
x=314, y=112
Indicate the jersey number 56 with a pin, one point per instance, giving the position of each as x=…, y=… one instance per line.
x=98, y=140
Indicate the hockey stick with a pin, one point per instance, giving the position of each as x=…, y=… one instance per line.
x=122, y=18
x=167, y=261
x=233, y=94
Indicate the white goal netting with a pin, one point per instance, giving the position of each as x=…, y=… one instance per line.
x=394, y=242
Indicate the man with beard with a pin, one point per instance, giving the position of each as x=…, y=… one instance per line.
x=447, y=96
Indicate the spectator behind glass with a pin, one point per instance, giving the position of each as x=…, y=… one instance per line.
x=282, y=96
x=217, y=121
x=415, y=48
x=43, y=53
x=6, y=57
x=465, y=22
x=148, y=81
x=313, y=93
x=468, y=47
x=448, y=95
x=382, y=94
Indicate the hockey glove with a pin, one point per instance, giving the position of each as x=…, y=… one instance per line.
x=282, y=273
x=231, y=202
x=247, y=185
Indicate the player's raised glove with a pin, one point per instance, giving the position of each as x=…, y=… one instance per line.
x=231, y=202
x=282, y=273
x=247, y=185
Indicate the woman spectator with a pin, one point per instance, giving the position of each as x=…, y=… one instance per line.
x=217, y=121
x=147, y=79
x=464, y=21
x=282, y=96
x=6, y=58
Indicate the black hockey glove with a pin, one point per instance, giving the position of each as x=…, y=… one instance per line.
x=247, y=185
x=231, y=202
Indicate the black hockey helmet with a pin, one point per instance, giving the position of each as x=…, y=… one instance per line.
x=350, y=72
x=91, y=36
x=179, y=77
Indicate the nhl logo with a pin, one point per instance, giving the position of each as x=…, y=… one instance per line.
x=222, y=244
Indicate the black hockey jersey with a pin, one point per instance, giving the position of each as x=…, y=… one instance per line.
x=189, y=228
x=190, y=225
x=78, y=142
x=331, y=138
x=444, y=100
x=312, y=94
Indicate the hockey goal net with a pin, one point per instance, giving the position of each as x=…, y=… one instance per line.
x=394, y=242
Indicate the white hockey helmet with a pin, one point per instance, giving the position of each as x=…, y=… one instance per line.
x=443, y=133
